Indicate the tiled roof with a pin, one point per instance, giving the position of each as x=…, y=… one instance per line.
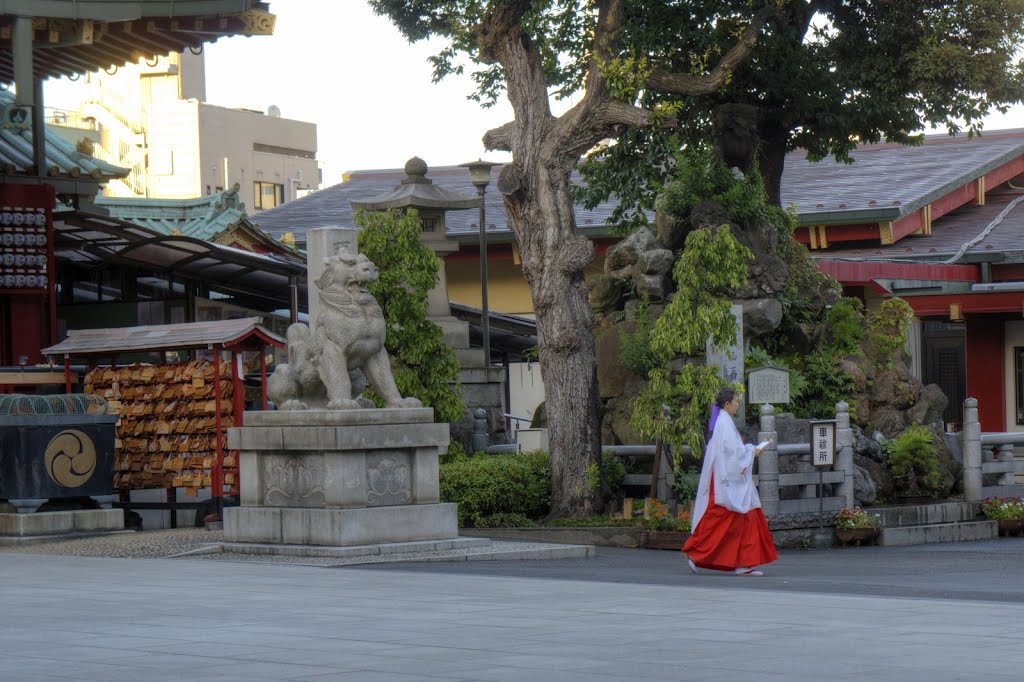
x=1004, y=242
x=62, y=157
x=202, y=217
x=332, y=206
x=886, y=182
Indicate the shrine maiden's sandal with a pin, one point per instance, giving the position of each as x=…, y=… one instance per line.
x=753, y=572
x=693, y=566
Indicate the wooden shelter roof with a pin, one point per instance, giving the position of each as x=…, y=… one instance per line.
x=186, y=336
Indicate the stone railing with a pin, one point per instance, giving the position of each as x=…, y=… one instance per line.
x=837, y=488
x=990, y=453
x=836, y=484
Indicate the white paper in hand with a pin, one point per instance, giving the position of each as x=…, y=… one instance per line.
x=762, y=445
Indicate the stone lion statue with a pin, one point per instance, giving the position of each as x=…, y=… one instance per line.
x=326, y=364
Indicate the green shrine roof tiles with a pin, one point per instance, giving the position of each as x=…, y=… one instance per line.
x=201, y=217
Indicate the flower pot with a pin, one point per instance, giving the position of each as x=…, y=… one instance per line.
x=856, y=536
x=663, y=539
x=1009, y=527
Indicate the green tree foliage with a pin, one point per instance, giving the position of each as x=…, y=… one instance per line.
x=713, y=265
x=817, y=380
x=699, y=175
x=423, y=365
x=689, y=393
x=887, y=329
x=844, y=326
x=825, y=77
x=636, y=353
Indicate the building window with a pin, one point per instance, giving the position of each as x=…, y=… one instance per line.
x=1018, y=366
x=268, y=194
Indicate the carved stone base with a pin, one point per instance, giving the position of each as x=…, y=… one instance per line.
x=339, y=478
x=341, y=527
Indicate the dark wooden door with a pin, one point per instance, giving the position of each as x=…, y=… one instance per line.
x=944, y=364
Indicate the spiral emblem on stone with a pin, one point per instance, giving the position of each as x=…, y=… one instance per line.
x=70, y=458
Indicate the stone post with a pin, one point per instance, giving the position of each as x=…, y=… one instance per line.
x=481, y=438
x=1006, y=457
x=844, y=453
x=971, y=445
x=768, y=463
x=322, y=243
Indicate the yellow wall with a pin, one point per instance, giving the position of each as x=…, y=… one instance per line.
x=507, y=290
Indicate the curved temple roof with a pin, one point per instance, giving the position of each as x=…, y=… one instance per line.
x=78, y=36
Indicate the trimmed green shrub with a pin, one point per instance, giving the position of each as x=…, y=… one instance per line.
x=614, y=472
x=913, y=462
x=487, y=485
x=505, y=520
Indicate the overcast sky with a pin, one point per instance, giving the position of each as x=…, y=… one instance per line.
x=370, y=93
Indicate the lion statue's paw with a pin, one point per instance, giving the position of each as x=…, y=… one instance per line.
x=365, y=403
x=408, y=402
x=343, y=404
x=293, y=404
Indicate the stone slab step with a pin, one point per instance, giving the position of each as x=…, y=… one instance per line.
x=348, y=551
x=964, y=531
x=460, y=549
x=924, y=514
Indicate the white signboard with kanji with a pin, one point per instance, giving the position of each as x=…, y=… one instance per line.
x=823, y=443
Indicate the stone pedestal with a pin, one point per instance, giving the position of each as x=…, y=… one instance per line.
x=339, y=478
x=16, y=529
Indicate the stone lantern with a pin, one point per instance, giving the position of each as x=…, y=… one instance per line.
x=431, y=202
x=482, y=387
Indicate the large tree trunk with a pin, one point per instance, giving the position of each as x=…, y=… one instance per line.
x=554, y=256
x=771, y=160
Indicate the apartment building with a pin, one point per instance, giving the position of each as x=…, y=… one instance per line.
x=153, y=118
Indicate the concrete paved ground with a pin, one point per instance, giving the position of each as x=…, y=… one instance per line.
x=947, y=612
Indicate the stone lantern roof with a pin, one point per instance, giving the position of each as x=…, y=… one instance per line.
x=419, y=192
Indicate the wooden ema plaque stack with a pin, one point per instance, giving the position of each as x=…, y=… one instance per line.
x=167, y=432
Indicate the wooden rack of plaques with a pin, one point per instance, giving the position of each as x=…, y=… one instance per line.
x=167, y=436
x=172, y=431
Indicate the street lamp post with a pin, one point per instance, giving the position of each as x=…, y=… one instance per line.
x=480, y=176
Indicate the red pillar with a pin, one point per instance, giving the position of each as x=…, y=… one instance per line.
x=218, y=469
x=985, y=372
x=263, y=377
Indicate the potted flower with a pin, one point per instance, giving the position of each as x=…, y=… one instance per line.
x=660, y=530
x=1008, y=511
x=856, y=526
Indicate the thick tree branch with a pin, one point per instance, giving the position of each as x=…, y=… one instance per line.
x=500, y=138
x=686, y=84
x=500, y=20
x=606, y=41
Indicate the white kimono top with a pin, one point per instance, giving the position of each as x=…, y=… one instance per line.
x=731, y=461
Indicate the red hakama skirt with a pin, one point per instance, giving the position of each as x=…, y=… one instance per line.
x=726, y=540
